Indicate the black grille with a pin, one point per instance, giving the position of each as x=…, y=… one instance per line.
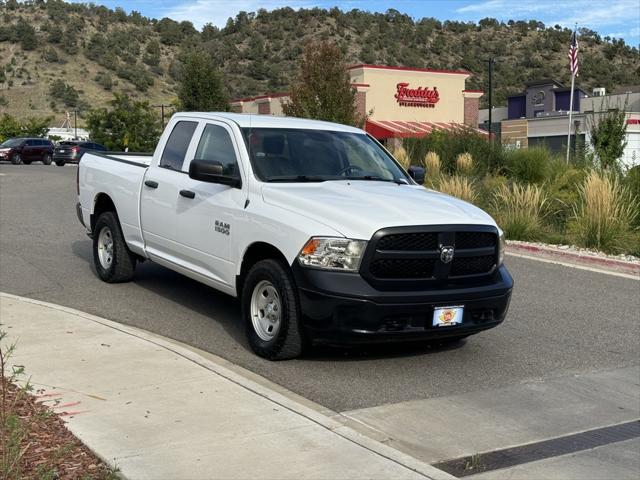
x=475, y=240
x=409, y=242
x=403, y=268
x=472, y=265
x=396, y=254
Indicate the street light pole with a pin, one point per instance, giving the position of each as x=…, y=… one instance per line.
x=490, y=62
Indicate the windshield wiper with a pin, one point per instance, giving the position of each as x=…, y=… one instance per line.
x=374, y=178
x=296, y=178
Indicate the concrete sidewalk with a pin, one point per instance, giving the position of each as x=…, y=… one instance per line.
x=156, y=409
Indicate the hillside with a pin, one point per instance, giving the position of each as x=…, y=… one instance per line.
x=56, y=55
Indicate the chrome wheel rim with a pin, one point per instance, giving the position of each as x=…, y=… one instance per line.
x=266, y=310
x=105, y=247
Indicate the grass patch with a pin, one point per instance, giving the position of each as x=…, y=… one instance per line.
x=520, y=210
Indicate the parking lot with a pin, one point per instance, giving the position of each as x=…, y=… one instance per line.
x=565, y=361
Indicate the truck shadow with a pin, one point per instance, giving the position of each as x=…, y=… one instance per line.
x=225, y=311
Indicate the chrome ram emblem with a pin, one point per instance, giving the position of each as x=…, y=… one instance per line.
x=446, y=253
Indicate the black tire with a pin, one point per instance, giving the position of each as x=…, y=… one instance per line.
x=288, y=342
x=46, y=160
x=123, y=262
x=60, y=163
x=16, y=159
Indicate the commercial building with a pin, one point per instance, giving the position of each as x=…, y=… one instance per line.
x=539, y=116
x=398, y=102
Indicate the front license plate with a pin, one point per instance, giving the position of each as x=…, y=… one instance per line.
x=61, y=151
x=447, y=316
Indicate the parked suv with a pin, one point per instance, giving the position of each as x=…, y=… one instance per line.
x=71, y=151
x=27, y=150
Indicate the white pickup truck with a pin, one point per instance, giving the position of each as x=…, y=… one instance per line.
x=314, y=225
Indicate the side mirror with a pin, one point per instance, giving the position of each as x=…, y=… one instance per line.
x=211, y=172
x=417, y=173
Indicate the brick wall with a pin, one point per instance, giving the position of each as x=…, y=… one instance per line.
x=361, y=105
x=471, y=107
x=264, y=108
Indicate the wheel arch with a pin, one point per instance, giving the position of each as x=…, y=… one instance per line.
x=254, y=253
x=101, y=203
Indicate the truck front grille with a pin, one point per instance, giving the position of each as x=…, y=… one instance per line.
x=397, y=256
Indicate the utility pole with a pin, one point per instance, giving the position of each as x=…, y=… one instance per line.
x=161, y=107
x=75, y=123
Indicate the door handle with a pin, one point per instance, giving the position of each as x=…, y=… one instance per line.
x=151, y=184
x=188, y=193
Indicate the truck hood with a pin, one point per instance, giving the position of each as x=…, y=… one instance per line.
x=357, y=209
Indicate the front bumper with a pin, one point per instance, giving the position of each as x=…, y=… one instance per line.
x=342, y=308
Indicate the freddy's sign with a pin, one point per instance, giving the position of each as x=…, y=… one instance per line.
x=416, y=97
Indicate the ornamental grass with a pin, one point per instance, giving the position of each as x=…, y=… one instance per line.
x=432, y=165
x=604, y=214
x=458, y=186
x=520, y=210
x=464, y=163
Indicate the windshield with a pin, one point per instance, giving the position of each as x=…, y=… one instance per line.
x=301, y=155
x=12, y=142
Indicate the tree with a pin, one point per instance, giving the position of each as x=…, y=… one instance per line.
x=200, y=87
x=126, y=124
x=30, y=127
x=609, y=137
x=26, y=35
x=322, y=89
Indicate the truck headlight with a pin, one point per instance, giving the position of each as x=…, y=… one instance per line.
x=501, y=247
x=341, y=254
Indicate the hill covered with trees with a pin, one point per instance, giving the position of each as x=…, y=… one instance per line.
x=56, y=56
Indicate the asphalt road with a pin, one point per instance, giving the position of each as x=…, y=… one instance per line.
x=562, y=320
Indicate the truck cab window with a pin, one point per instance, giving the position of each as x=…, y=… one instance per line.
x=216, y=146
x=176, y=148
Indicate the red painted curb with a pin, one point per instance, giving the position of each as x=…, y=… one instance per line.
x=577, y=258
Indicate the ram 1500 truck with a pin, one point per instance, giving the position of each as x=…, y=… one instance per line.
x=315, y=226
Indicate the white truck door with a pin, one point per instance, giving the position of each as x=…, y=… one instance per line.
x=210, y=214
x=159, y=204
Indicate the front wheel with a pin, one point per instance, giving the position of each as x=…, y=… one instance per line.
x=111, y=256
x=271, y=311
x=46, y=160
x=16, y=159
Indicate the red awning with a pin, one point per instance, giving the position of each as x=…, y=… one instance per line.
x=382, y=129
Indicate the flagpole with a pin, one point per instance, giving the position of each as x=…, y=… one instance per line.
x=573, y=78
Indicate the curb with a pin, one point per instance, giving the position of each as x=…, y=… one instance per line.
x=577, y=258
x=221, y=366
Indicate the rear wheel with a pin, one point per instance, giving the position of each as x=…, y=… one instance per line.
x=271, y=311
x=46, y=160
x=16, y=159
x=111, y=256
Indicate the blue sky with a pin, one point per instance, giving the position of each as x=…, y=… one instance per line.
x=615, y=18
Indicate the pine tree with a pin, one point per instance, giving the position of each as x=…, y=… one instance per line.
x=200, y=87
x=322, y=89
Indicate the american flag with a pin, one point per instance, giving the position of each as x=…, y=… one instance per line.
x=573, y=54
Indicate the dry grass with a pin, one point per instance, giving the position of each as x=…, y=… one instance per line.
x=604, y=212
x=464, y=164
x=402, y=157
x=432, y=164
x=459, y=187
x=520, y=210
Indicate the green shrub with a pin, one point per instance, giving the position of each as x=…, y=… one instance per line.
x=605, y=213
x=449, y=144
x=632, y=182
x=520, y=210
x=528, y=165
x=564, y=193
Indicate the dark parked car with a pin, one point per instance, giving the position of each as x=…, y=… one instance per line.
x=70, y=151
x=27, y=150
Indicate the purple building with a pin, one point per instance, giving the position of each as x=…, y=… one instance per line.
x=543, y=97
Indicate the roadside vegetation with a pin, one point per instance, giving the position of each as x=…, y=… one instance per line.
x=534, y=195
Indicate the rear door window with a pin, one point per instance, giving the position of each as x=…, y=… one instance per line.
x=216, y=146
x=176, y=148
